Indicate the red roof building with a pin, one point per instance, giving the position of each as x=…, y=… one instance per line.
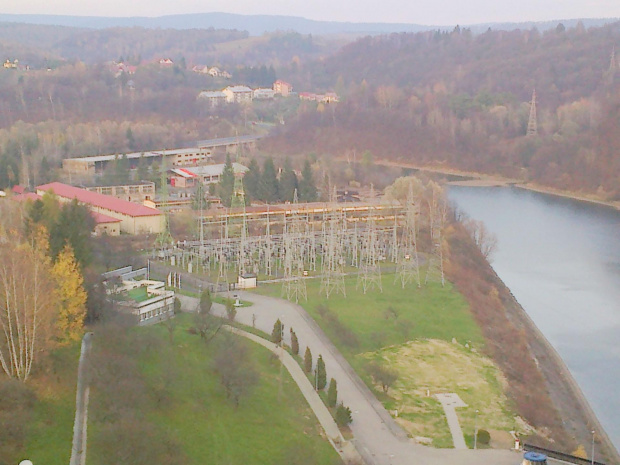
x=134, y=218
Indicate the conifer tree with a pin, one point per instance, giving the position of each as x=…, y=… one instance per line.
x=307, y=188
x=321, y=376
x=269, y=182
x=71, y=296
x=294, y=343
x=276, y=334
x=308, y=360
x=288, y=182
x=252, y=180
x=332, y=393
x=227, y=183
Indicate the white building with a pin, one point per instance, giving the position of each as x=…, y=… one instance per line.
x=212, y=97
x=206, y=174
x=263, y=94
x=238, y=94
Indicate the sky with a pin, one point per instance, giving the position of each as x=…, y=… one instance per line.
x=426, y=12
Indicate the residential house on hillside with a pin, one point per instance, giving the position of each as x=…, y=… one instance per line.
x=166, y=62
x=238, y=94
x=8, y=64
x=282, y=87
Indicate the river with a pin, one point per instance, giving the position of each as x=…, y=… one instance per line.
x=561, y=260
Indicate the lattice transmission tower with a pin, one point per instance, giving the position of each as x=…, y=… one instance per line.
x=332, y=258
x=408, y=267
x=369, y=276
x=532, y=124
x=294, y=240
x=437, y=216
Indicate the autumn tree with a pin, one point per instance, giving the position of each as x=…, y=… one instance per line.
x=71, y=296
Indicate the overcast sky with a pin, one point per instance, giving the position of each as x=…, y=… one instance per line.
x=427, y=12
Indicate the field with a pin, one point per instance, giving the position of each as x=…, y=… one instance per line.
x=266, y=427
x=430, y=338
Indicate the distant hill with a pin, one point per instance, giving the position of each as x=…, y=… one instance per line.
x=259, y=24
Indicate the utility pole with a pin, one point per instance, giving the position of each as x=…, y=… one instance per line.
x=592, y=447
x=476, y=431
x=532, y=124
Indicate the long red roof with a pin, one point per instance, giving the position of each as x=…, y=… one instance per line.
x=99, y=200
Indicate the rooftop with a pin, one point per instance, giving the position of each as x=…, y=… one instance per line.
x=98, y=200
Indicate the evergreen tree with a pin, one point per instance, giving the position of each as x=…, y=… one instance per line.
x=155, y=175
x=131, y=142
x=252, y=180
x=332, y=393
x=294, y=343
x=321, y=375
x=71, y=296
x=343, y=416
x=205, y=302
x=142, y=170
x=307, y=188
x=308, y=360
x=288, y=182
x=276, y=334
x=73, y=227
x=227, y=183
x=121, y=169
x=269, y=182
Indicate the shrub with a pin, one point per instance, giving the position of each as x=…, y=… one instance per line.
x=484, y=437
x=343, y=416
x=386, y=377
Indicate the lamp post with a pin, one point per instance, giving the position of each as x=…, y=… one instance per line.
x=592, y=447
x=476, y=430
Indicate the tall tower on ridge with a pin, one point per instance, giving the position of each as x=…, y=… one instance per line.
x=532, y=124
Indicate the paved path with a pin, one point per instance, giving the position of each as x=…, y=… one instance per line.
x=78, y=449
x=377, y=436
x=345, y=449
x=450, y=402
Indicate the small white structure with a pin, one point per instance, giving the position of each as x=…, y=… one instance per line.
x=246, y=281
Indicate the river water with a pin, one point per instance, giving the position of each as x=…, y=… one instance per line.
x=561, y=260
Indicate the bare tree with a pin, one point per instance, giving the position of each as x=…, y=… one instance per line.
x=27, y=307
x=232, y=364
x=485, y=240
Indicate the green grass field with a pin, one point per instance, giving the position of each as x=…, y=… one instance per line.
x=395, y=327
x=267, y=427
x=430, y=312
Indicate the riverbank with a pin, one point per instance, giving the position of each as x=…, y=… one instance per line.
x=539, y=382
x=476, y=179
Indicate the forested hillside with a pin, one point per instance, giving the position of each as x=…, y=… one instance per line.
x=463, y=101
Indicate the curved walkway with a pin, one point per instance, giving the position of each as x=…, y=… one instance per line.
x=378, y=437
x=345, y=449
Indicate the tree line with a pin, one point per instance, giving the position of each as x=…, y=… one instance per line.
x=266, y=185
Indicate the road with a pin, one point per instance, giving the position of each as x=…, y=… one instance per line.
x=377, y=436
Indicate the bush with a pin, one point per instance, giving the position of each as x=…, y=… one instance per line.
x=386, y=377
x=231, y=311
x=343, y=416
x=484, y=437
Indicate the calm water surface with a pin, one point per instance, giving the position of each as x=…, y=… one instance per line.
x=561, y=259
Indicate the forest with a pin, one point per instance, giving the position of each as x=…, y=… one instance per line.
x=453, y=99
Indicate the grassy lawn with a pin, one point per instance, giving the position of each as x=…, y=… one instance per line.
x=139, y=294
x=431, y=312
x=51, y=428
x=267, y=427
x=413, y=331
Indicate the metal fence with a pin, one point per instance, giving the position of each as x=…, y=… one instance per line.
x=560, y=455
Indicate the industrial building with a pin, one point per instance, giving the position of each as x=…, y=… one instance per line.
x=207, y=174
x=134, y=218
